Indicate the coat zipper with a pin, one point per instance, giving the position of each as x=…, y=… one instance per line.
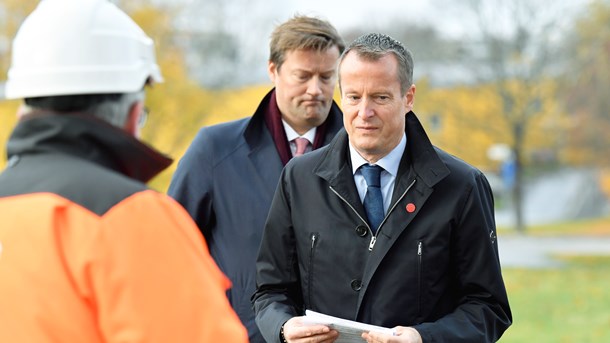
x=352, y=207
x=419, y=275
x=314, y=238
x=374, y=236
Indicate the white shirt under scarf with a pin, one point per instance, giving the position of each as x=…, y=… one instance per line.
x=291, y=134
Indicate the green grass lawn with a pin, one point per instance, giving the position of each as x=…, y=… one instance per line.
x=598, y=227
x=569, y=304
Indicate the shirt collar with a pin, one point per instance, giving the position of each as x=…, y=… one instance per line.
x=292, y=134
x=389, y=162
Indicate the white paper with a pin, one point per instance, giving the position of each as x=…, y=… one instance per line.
x=349, y=330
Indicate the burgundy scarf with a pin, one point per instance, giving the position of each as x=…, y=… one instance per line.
x=273, y=119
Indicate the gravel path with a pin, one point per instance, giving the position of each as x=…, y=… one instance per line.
x=536, y=252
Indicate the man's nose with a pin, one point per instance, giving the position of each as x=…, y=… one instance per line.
x=314, y=86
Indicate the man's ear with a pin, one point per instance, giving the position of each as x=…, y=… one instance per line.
x=410, y=98
x=131, y=124
x=271, y=69
x=22, y=111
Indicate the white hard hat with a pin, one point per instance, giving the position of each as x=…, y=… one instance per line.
x=69, y=47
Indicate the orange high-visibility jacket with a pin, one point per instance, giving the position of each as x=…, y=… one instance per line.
x=88, y=254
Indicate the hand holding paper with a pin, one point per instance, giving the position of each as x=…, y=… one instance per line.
x=402, y=334
x=296, y=328
x=349, y=331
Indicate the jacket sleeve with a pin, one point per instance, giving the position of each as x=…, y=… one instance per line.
x=192, y=183
x=278, y=296
x=483, y=312
x=153, y=280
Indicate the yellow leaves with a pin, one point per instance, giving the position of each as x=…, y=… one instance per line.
x=604, y=180
x=189, y=109
x=8, y=120
x=468, y=120
x=12, y=13
x=233, y=104
x=595, y=23
x=464, y=120
x=586, y=85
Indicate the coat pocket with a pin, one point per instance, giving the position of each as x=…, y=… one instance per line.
x=315, y=237
x=420, y=257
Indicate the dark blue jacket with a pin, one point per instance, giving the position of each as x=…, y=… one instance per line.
x=226, y=181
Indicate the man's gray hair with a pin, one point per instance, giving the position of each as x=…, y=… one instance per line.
x=112, y=108
x=373, y=46
x=116, y=112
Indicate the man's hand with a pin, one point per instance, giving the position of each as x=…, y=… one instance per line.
x=295, y=331
x=402, y=335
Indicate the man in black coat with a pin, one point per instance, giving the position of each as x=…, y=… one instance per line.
x=413, y=250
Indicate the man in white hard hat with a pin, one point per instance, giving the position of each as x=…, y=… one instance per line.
x=87, y=252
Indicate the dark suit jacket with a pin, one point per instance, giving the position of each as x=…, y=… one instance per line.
x=226, y=181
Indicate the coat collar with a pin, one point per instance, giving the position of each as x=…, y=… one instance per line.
x=257, y=134
x=420, y=156
x=89, y=138
x=261, y=149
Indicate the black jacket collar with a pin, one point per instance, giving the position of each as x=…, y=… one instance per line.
x=420, y=155
x=88, y=138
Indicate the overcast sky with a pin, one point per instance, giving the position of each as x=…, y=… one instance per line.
x=348, y=13
x=442, y=14
x=251, y=21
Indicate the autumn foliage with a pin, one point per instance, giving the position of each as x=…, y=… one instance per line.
x=464, y=120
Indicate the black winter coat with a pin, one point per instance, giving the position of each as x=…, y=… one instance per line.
x=433, y=263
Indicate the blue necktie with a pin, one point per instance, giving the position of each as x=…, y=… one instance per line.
x=373, y=200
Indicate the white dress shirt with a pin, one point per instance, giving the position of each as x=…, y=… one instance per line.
x=389, y=163
x=291, y=135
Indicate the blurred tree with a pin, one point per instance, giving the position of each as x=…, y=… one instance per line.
x=216, y=36
x=514, y=47
x=586, y=84
x=236, y=103
x=12, y=13
x=434, y=54
x=179, y=105
x=466, y=121
x=8, y=119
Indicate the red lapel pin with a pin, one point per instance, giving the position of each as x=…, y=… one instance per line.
x=410, y=207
